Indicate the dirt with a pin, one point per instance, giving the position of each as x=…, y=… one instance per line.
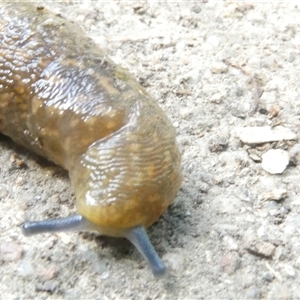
x=214, y=67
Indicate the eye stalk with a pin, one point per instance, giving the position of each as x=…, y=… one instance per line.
x=136, y=235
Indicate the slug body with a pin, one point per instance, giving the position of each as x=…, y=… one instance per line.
x=61, y=97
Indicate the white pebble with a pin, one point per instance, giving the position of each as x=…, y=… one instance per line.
x=219, y=67
x=276, y=194
x=290, y=271
x=176, y=124
x=275, y=161
x=264, y=134
x=213, y=41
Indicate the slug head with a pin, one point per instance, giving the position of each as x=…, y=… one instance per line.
x=127, y=179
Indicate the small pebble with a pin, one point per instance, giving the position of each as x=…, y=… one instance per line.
x=230, y=263
x=17, y=161
x=25, y=268
x=47, y=273
x=65, y=237
x=216, y=98
x=10, y=251
x=208, y=256
x=274, y=111
x=278, y=252
x=272, y=205
x=176, y=124
x=255, y=157
x=47, y=286
x=202, y=186
x=104, y=275
x=218, y=144
x=275, y=161
x=186, y=113
x=259, y=247
x=291, y=57
x=264, y=134
x=213, y=41
x=294, y=151
x=174, y=261
x=20, y=181
x=218, y=68
x=253, y=293
x=230, y=243
x=289, y=270
x=276, y=194
x=269, y=277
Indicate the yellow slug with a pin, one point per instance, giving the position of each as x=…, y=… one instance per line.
x=61, y=97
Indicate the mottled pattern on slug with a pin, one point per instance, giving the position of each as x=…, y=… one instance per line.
x=61, y=97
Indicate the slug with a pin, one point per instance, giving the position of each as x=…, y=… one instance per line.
x=64, y=99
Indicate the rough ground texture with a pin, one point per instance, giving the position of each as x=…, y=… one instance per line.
x=214, y=66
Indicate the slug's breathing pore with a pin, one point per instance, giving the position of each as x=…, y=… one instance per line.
x=61, y=97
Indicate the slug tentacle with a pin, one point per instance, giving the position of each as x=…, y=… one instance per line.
x=71, y=223
x=61, y=97
x=137, y=236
